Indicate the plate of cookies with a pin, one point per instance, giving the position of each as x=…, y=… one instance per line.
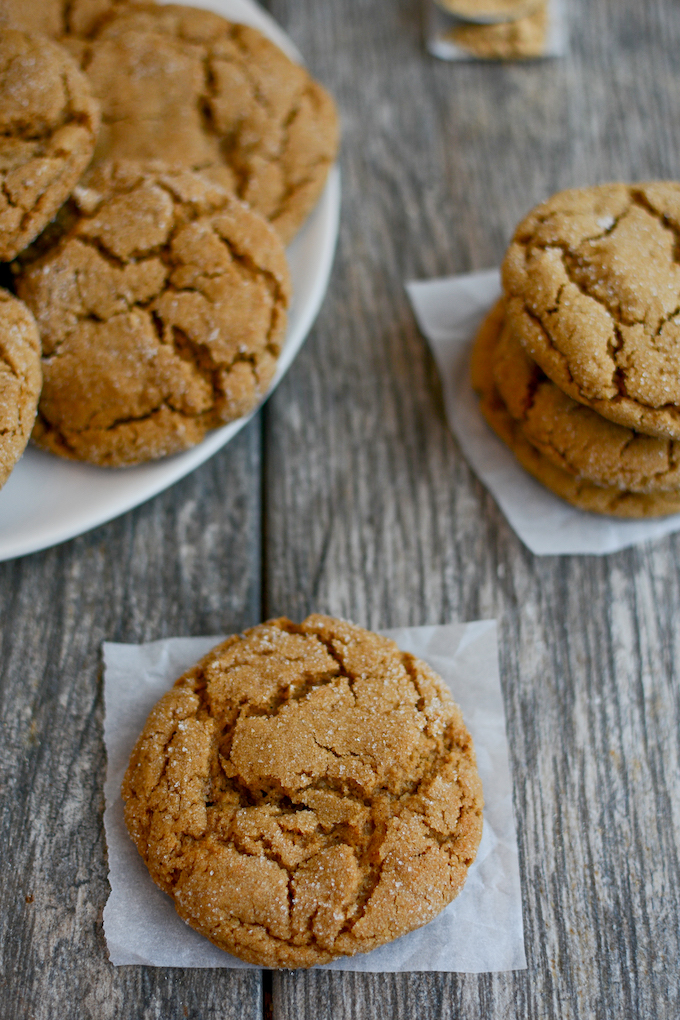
x=171, y=213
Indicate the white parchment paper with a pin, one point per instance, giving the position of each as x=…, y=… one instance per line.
x=449, y=312
x=480, y=931
x=438, y=23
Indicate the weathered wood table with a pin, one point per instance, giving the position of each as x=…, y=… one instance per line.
x=347, y=494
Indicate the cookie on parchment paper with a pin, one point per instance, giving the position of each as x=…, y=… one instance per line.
x=216, y=96
x=592, y=281
x=20, y=379
x=162, y=311
x=545, y=466
x=48, y=128
x=305, y=792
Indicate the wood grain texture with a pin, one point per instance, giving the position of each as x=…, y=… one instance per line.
x=372, y=513
x=185, y=563
x=350, y=496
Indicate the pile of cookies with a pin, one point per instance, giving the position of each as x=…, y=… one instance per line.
x=578, y=366
x=155, y=160
x=498, y=29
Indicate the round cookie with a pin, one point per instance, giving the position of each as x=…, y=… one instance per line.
x=487, y=12
x=216, y=95
x=593, y=287
x=576, y=438
x=305, y=792
x=48, y=128
x=162, y=311
x=579, y=492
x=20, y=380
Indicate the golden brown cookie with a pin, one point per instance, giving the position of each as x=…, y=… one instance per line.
x=305, y=792
x=48, y=128
x=578, y=491
x=510, y=40
x=20, y=380
x=576, y=438
x=593, y=287
x=491, y=11
x=215, y=95
x=162, y=311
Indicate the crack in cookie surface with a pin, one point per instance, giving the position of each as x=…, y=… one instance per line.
x=338, y=805
x=162, y=310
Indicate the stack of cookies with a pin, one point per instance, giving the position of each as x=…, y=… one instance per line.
x=578, y=365
x=498, y=29
x=155, y=161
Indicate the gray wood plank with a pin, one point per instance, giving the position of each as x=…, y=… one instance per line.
x=188, y=562
x=372, y=513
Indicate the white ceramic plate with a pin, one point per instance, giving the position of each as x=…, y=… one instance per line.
x=48, y=500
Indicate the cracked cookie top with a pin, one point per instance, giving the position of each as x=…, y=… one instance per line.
x=215, y=96
x=548, y=469
x=162, y=310
x=575, y=437
x=593, y=284
x=20, y=379
x=48, y=127
x=305, y=792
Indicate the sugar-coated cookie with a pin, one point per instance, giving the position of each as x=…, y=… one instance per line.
x=593, y=285
x=162, y=311
x=305, y=792
x=216, y=96
x=48, y=128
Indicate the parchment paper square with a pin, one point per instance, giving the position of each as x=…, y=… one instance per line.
x=480, y=931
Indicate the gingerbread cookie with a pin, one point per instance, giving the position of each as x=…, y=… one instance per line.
x=20, y=379
x=162, y=311
x=48, y=128
x=593, y=287
x=305, y=792
x=576, y=438
x=578, y=491
x=218, y=96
